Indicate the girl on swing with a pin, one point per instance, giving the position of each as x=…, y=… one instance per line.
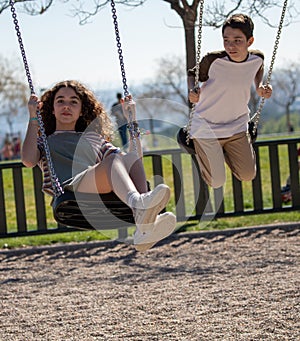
x=220, y=121
x=72, y=114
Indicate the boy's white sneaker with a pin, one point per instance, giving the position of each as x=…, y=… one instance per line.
x=146, y=238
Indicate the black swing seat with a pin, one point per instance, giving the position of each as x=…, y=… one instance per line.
x=252, y=131
x=190, y=147
x=181, y=140
x=91, y=211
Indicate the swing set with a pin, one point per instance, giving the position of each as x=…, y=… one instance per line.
x=183, y=135
x=82, y=210
x=105, y=211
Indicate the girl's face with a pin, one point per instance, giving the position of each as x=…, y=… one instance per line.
x=66, y=109
x=236, y=44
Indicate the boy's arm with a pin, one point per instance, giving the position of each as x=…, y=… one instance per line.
x=262, y=90
x=205, y=63
x=30, y=153
x=259, y=77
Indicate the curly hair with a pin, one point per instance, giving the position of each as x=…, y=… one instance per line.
x=92, y=110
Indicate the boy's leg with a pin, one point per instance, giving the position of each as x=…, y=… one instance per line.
x=210, y=157
x=240, y=156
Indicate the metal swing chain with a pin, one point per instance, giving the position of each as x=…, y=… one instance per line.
x=198, y=55
x=131, y=124
x=119, y=46
x=255, y=118
x=57, y=189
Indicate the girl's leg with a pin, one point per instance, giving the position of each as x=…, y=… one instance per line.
x=118, y=173
x=135, y=169
x=112, y=175
x=109, y=175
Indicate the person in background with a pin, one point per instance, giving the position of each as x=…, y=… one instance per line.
x=121, y=121
x=286, y=193
x=17, y=147
x=7, y=150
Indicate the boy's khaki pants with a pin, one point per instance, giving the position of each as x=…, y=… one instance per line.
x=236, y=151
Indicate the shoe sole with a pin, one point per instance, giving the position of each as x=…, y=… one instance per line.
x=151, y=214
x=164, y=227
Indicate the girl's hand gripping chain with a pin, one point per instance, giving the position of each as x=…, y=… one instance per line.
x=33, y=106
x=129, y=110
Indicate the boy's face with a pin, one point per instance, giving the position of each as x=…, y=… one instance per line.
x=236, y=44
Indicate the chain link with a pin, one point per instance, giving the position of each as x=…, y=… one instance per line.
x=119, y=46
x=198, y=57
x=255, y=118
x=199, y=41
x=131, y=127
x=57, y=189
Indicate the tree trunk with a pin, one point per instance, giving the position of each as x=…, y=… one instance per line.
x=190, y=46
x=188, y=15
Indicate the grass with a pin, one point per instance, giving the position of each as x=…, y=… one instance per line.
x=220, y=223
x=87, y=236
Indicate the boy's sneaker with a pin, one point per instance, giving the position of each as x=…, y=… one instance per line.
x=149, y=205
x=164, y=225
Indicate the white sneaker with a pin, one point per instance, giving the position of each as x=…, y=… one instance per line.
x=149, y=205
x=164, y=225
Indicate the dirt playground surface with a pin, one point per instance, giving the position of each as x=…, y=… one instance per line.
x=199, y=286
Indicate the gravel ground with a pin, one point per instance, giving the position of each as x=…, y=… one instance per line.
x=241, y=285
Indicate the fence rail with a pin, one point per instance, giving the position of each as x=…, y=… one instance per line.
x=193, y=199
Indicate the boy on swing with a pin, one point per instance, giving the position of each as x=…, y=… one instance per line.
x=219, y=126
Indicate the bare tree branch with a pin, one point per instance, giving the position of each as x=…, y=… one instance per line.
x=215, y=13
x=84, y=13
x=169, y=83
x=30, y=7
x=78, y=8
x=220, y=10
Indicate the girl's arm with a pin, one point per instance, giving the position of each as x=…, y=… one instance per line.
x=30, y=153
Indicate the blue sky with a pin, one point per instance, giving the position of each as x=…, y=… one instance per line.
x=58, y=47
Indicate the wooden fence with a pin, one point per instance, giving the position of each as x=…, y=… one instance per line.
x=192, y=199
